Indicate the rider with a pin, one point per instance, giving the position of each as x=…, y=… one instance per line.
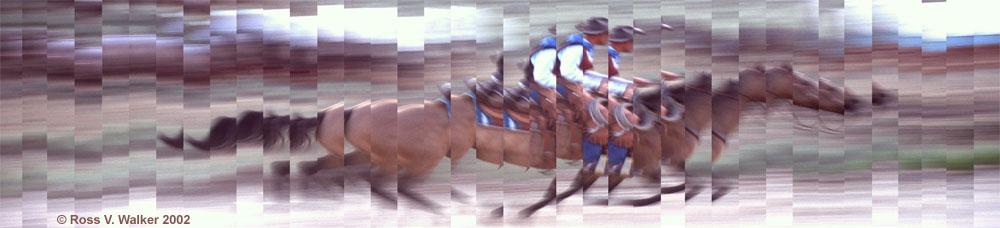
x=541, y=80
x=575, y=63
x=575, y=57
x=621, y=41
x=556, y=70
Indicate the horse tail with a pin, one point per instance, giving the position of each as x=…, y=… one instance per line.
x=299, y=128
x=251, y=126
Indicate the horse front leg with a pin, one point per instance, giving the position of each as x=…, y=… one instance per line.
x=375, y=185
x=550, y=194
x=583, y=180
x=720, y=190
x=405, y=188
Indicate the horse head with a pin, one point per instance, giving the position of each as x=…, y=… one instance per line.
x=881, y=96
x=786, y=83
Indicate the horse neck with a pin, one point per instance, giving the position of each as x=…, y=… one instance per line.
x=463, y=109
x=697, y=109
x=726, y=111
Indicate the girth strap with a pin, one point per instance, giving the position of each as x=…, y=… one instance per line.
x=720, y=135
x=693, y=132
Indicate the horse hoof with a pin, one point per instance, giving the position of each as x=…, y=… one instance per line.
x=281, y=168
x=692, y=193
x=526, y=213
x=600, y=202
x=308, y=168
x=459, y=197
x=497, y=212
x=671, y=190
x=720, y=193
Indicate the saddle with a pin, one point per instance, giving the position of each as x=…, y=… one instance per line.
x=518, y=105
x=515, y=112
x=618, y=129
x=622, y=123
x=629, y=87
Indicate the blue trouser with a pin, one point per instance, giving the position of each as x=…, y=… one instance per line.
x=562, y=90
x=616, y=154
x=592, y=153
x=536, y=96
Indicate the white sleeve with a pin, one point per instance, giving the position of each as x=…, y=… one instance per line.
x=618, y=85
x=543, y=62
x=593, y=81
x=569, y=63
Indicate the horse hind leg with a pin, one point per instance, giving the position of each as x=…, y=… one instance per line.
x=404, y=189
x=330, y=161
x=721, y=189
x=375, y=185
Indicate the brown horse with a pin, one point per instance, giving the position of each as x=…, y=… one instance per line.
x=623, y=133
x=726, y=106
x=438, y=136
x=723, y=109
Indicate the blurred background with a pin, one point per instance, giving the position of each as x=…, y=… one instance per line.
x=87, y=85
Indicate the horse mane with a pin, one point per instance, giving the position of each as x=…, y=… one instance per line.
x=648, y=96
x=732, y=88
x=499, y=64
x=787, y=66
x=703, y=81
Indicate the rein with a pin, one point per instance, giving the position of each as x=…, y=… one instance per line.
x=595, y=115
x=694, y=132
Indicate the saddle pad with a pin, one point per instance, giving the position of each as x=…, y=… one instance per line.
x=511, y=123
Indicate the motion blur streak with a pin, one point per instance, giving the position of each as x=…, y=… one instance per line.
x=90, y=89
